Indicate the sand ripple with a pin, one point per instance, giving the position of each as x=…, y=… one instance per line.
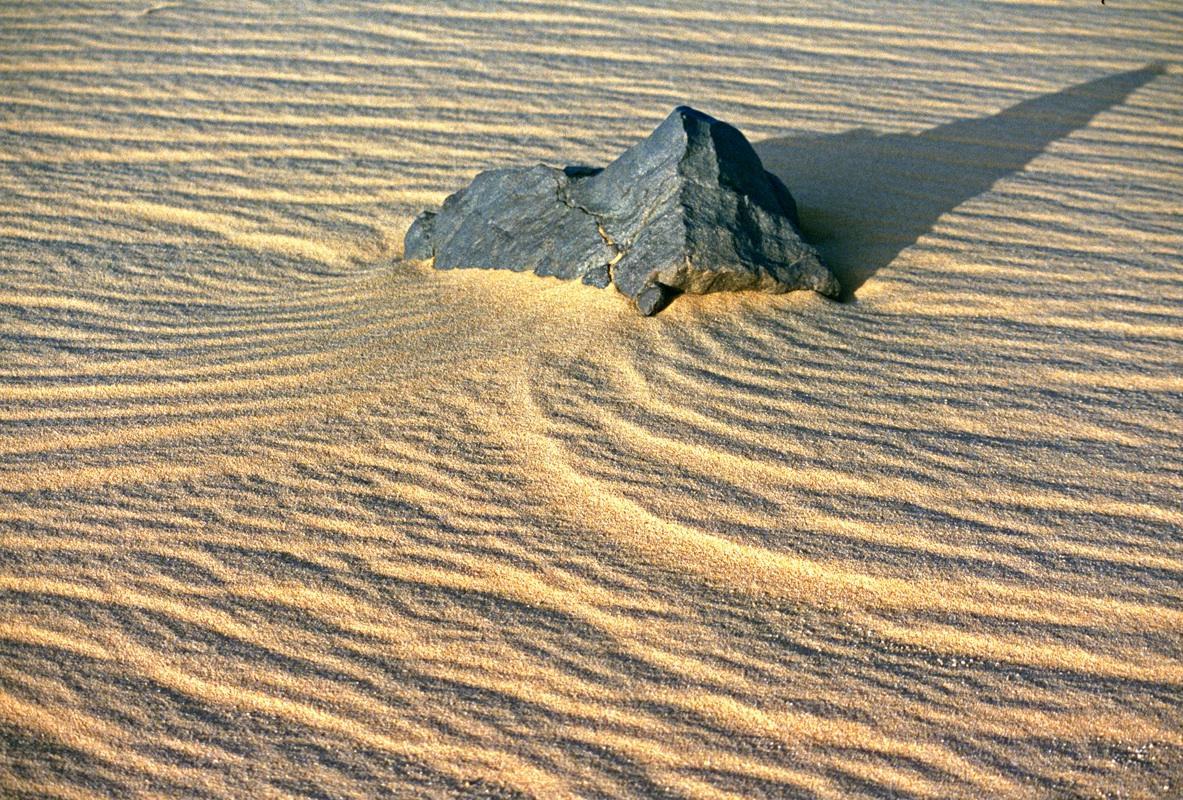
x=283, y=516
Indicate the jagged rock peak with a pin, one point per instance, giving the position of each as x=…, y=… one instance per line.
x=690, y=208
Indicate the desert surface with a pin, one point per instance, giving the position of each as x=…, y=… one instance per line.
x=283, y=515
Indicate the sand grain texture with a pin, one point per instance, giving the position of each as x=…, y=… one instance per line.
x=283, y=516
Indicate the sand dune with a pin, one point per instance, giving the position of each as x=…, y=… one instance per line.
x=284, y=516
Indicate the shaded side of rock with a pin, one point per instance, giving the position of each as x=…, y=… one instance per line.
x=688, y=209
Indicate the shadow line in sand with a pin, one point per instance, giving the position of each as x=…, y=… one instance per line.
x=864, y=196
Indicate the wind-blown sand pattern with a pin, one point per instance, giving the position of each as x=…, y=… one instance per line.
x=282, y=516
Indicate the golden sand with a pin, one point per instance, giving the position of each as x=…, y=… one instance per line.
x=283, y=516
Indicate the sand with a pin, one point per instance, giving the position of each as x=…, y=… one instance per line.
x=284, y=516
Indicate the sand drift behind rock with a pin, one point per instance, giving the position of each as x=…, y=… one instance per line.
x=688, y=209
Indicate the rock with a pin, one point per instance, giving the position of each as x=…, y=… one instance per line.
x=417, y=243
x=688, y=209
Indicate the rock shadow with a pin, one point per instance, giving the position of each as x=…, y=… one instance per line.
x=865, y=196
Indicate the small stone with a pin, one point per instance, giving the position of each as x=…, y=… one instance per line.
x=688, y=209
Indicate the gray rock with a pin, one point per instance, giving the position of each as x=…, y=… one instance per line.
x=688, y=209
x=417, y=244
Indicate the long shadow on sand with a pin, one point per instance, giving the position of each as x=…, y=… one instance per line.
x=865, y=196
